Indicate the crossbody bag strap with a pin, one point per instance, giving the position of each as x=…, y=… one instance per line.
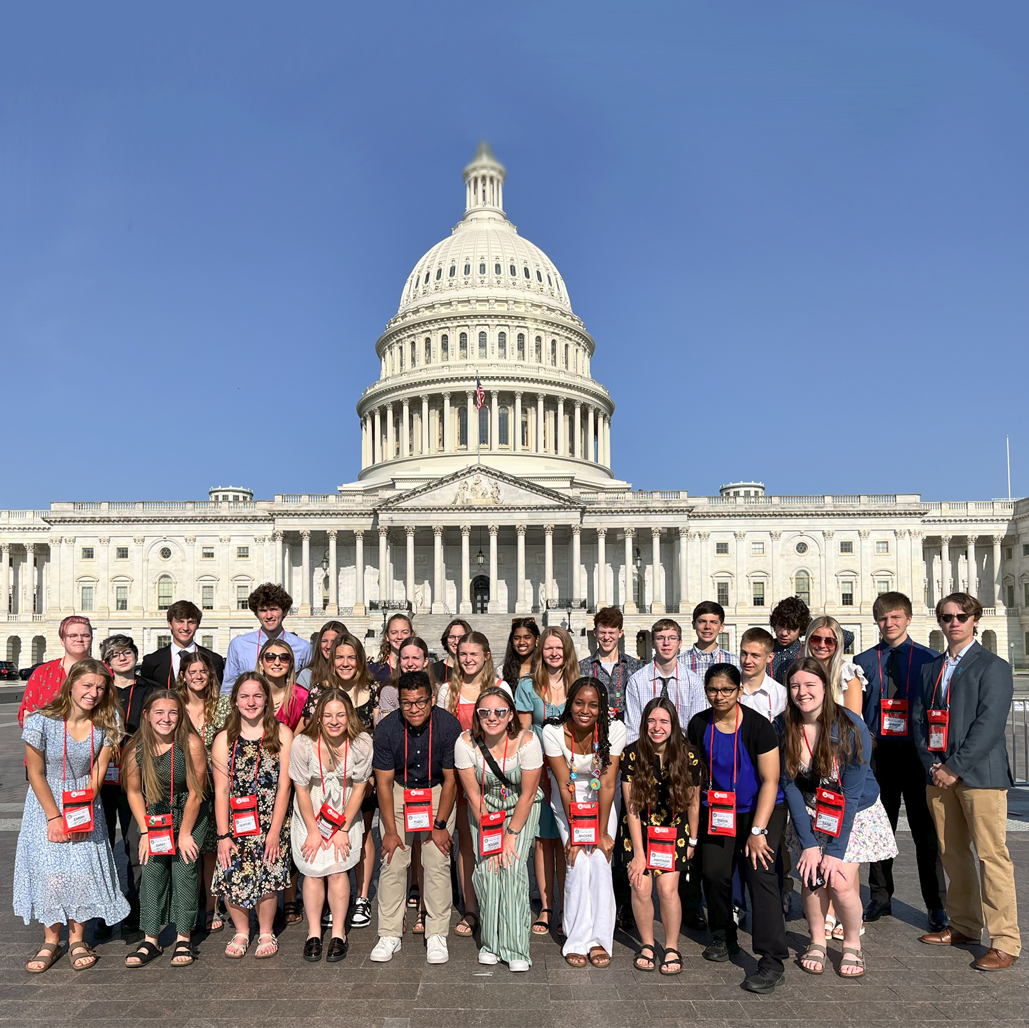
x=494, y=766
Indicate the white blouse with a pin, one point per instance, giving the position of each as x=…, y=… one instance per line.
x=528, y=756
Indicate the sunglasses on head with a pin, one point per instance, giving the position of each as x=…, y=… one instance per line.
x=946, y=619
x=522, y=622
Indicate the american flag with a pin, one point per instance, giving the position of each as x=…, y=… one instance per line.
x=480, y=394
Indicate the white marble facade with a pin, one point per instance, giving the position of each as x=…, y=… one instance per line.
x=523, y=515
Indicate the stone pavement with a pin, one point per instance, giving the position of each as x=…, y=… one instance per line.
x=906, y=981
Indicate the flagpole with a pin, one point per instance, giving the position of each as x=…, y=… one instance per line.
x=478, y=422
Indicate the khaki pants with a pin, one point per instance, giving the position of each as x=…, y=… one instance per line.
x=964, y=818
x=436, y=891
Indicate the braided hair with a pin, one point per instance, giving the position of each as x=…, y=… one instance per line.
x=603, y=717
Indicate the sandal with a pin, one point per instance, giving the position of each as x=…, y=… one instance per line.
x=672, y=956
x=541, y=927
x=234, y=951
x=599, y=957
x=575, y=959
x=418, y=928
x=815, y=953
x=266, y=939
x=291, y=913
x=837, y=932
x=651, y=960
x=852, y=958
x=183, y=949
x=215, y=921
x=144, y=952
x=414, y=896
x=48, y=954
x=470, y=924
x=84, y=952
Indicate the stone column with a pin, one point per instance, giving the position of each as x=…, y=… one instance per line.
x=383, y=564
x=601, y=567
x=28, y=585
x=277, y=539
x=521, y=607
x=684, y=569
x=494, y=592
x=562, y=441
x=377, y=437
x=539, y=422
x=918, y=573
x=658, y=586
x=5, y=580
x=590, y=428
x=741, y=598
x=973, y=571
x=494, y=420
x=466, y=574
x=628, y=603
x=945, y=568
x=517, y=440
x=142, y=589
x=391, y=437
x=548, y=560
x=405, y=428
x=425, y=424
x=998, y=573
x=607, y=441
x=409, y=576
x=830, y=570
x=862, y=589
x=102, y=601
x=438, y=580
x=778, y=592
x=576, y=586
x=577, y=428
x=359, y=607
x=333, y=610
x=448, y=431
x=305, y=570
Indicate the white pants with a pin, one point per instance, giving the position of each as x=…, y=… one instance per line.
x=588, y=914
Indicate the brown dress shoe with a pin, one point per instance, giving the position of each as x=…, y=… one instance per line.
x=948, y=937
x=994, y=960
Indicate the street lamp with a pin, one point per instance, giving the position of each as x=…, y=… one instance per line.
x=637, y=563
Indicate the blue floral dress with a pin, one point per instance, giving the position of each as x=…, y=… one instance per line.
x=70, y=881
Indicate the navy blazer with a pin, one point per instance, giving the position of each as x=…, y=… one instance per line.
x=912, y=656
x=979, y=699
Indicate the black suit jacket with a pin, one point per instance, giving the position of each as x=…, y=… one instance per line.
x=157, y=665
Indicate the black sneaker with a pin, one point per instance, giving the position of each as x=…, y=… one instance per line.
x=362, y=913
x=720, y=950
x=763, y=981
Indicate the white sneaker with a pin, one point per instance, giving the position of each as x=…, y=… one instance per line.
x=435, y=949
x=485, y=957
x=384, y=949
x=518, y=965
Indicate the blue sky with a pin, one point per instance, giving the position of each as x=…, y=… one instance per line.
x=797, y=232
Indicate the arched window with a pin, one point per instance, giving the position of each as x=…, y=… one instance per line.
x=462, y=346
x=502, y=345
x=539, y=350
x=521, y=346
x=402, y=350
x=553, y=352
x=453, y=270
x=467, y=269
x=427, y=278
x=444, y=348
x=497, y=270
x=428, y=351
x=164, y=592
x=482, y=268
x=526, y=270
x=484, y=426
x=502, y=429
x=439, y=274
x=482, y=346
x=549, y=283
x=539, y=277
x=525, y=428
x=568, y=350
x=802, y=587
x=514, y=271
x=462, y=426
x=414, y=353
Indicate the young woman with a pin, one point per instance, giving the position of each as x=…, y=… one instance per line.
x=500, y=766
x=330, y=764
x=538, y=699
x=743, y=825
x=443, y=670
x=207, y=710
x=316, y=674
x=276, y=663
x=824, y=642
x=661, y=775
x=165, y=769
x=63, y=877
x=396, y=630
x=519, y=659
x=251, y=759
x=413, y=656
x=76, y=635
x=826, y=749
x=583, y=747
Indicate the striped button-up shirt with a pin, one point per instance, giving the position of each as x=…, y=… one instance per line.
x=683, y=688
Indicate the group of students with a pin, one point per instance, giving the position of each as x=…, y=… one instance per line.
x=698, y=774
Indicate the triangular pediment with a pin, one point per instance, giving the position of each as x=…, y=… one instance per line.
x=479, y=487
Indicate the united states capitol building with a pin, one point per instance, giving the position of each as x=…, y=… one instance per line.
x=510, y=508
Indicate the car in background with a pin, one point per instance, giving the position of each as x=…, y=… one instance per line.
x=8, y=671
x=26, y=672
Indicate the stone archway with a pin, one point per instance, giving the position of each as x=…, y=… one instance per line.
x=480, y=594
x=990, y=640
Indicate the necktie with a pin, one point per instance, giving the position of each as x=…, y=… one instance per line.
x=893, y=674
x=183, y=654
x=664, y=686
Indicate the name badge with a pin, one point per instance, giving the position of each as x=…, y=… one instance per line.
x=491, y=833
x=77, y=812
x=939, y=729
x=112, y=776
x=243, y=814
x=584, y=824
x=829, y=806
x=661, y=848
x=418, y=810
x=160, y=835
x=893, y=718
x=330, y=821
x=721, y=812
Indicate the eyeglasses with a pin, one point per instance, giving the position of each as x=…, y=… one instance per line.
x=78, y=638
x=414, y=704
x=121, y=653
x=727, y=691
x=487, y=713
x=276, y=658
x=946, y=619
x=822, y=640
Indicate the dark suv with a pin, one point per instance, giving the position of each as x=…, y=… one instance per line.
x=8, y=671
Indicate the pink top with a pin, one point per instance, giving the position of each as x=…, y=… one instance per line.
x=291, y=717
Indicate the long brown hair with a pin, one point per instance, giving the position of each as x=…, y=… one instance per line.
x=214, y=686
x=494, y=690
x=487, y=676
x=362, y=676
x=414, y=640
x=145, y=742
x=107, y=715
x=684, y=777
x=832, y=714
x=333, y=695
x=291, y=673
x=384, y=647
x=321, y=668
x=270, y=724
x=570, y=671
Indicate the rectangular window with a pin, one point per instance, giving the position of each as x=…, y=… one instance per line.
x=759, y=594
x=882, y=546
x=848, y=647
x=502, y=428
x=882, y=585
x=121, y=553
x=539, y=355
x=723, y=593
x=121, y=597
x=242, y=553
x=207, y=553
x=1025, y=594
x=87, y=554
x=721, y=548
x=846, y=546
x=1025, y=549
x=723, y=640
x=87, y=597
x=1011, y=595
x=482, y=346
x=502, y=345
x=207, y=597
x=207, y=641
x=163, y=641
x=164, y=593
x=521, y=346
x=414, y=353
x=1007, y=553
x=462, y=346
x=525, y=428
x=846, y=594
x=462, y=426
x=428, y=351
x=242, y=597
x=757, y=548
x=553, y=352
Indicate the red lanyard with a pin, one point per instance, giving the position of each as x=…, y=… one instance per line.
x=939, y=678
x=835, y=765
x=879, y=661
x=64, y=765
x=321, y=774
x=653, y=682
x=232, y=761
x=711, y=748
x=428, y=763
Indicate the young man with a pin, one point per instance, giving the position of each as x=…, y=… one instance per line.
x=414, y=750
x=162, y=666
x=270, y=604
x=789, y=620
x=761, y=692
x=893, y=670
x=958, y=717
x=708, y=622
x=609, y=664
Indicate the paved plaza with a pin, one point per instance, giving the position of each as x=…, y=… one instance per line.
x=906, y=981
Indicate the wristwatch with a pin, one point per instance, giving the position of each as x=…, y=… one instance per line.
x=511, y=831
x=440, y=826
x=758, y=831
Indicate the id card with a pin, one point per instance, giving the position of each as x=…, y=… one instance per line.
x=829, y=806
x=160, y=835
x=77, y=813
x=939, y=729
x=330, y=821
x=661, y=848
x=112, y=776
x=491, y=833
x=243, y=814
x=721, y=814
x=893, y=718
x=418, y=810
x=584, y=824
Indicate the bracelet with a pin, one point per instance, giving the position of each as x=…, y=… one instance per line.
x=227, y=835
x=54, y=818
x=144, y=833
x=692, y=842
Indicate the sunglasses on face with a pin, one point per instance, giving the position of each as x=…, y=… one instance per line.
x=276, y=658
x=488, y=713
x=946, y=619
x=827, y=641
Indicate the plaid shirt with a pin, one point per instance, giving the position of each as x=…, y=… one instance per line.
x=698, y=661
x=43, y=685
x=617, y=681
x=684, y=689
